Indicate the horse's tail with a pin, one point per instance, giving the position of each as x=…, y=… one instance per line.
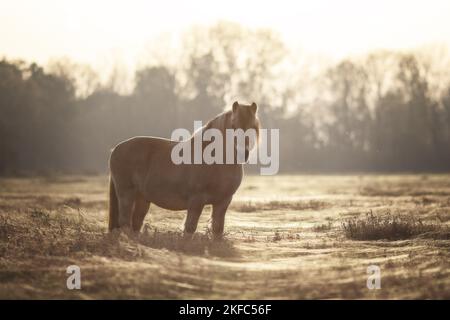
x=113, y=206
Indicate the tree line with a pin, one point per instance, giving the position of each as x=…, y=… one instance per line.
x=384, y=111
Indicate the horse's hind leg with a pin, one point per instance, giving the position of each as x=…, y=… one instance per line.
x=141, y=206
x=126, y=203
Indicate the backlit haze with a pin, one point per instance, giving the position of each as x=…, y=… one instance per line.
x=104, y=33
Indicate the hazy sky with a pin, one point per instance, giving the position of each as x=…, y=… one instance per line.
x=95, y=31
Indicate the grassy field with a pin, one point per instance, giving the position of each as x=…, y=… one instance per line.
x=287, y=237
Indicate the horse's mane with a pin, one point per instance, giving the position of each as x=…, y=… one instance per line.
x=221, y=122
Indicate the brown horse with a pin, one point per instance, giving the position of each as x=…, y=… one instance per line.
x=142, y=172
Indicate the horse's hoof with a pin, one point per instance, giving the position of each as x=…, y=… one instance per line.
x=126, y=229
x=217, y=237
x=188, y=235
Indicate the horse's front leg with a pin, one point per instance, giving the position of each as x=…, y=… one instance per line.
x=218, y=217
x=193, y=214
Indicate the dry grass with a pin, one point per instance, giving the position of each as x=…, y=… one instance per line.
x=323, y=227
x=287, y=237
x=392, y=227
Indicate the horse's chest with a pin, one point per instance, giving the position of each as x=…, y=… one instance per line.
x=222, y=184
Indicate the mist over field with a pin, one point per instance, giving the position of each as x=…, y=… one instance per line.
x=383, y=111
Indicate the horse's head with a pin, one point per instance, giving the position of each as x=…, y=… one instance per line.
x=244, y=117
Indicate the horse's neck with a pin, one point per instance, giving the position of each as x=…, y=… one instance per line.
x=220, y=122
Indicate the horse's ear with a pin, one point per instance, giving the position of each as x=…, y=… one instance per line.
x=235, y=106
x=254, y=107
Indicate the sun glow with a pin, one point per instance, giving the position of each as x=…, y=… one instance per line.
x=104, y=32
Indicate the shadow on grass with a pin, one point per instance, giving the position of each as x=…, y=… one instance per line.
x=199, y=244
x=249, y=206
x=68, y=233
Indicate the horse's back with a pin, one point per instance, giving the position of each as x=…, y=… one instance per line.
x=133, y=156
x=141, y=145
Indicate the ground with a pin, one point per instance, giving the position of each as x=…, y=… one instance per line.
x=287, y=237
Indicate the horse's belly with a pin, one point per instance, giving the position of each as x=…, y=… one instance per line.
x=170, y=205
x=167, y=200
x=175, y=187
